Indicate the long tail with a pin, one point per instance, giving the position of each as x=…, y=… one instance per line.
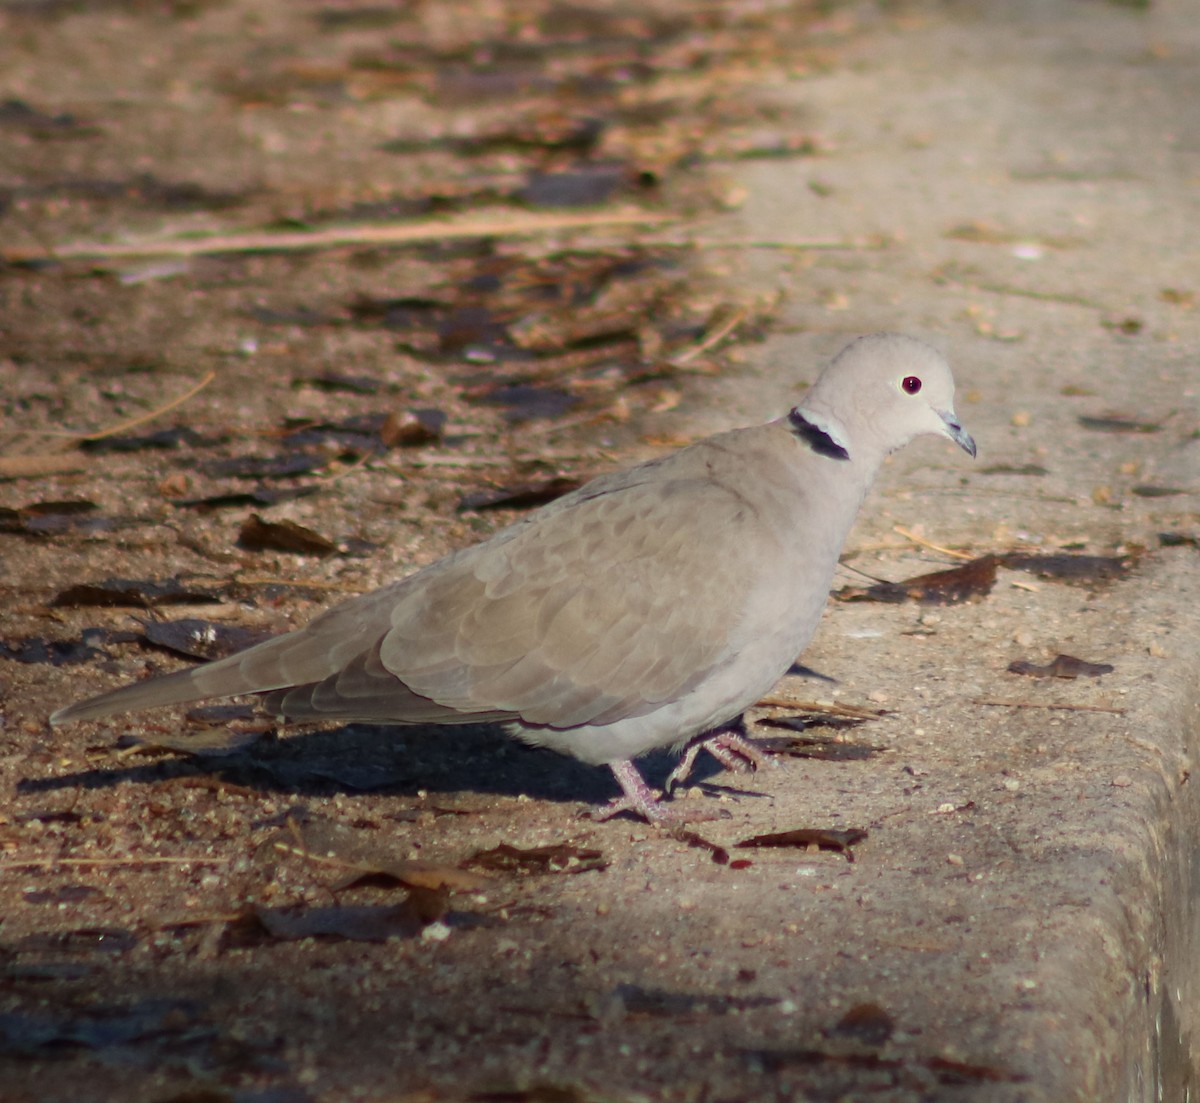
x=223, y=678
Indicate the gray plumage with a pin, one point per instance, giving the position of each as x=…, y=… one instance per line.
x=647, y=608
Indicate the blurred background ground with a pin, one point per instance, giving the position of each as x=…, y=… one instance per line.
x=622, y=228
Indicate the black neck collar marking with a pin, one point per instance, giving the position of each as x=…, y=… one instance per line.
x=816, y=438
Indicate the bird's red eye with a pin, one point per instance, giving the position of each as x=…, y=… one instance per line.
x=911, y=384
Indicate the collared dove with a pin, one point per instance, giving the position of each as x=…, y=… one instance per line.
x=647, y=609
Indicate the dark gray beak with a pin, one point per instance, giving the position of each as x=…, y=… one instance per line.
x=958, y=434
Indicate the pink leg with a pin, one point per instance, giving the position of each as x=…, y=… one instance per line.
x=641, y=800
x=728, y=745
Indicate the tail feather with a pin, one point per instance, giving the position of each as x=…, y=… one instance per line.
x=172, y=689
x=226, y=677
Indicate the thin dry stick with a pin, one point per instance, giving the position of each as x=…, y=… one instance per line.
x=714, y=338
x=371, y=233
x=46, y=463
x=141, y=419
x=819, y=706
x=1046, y=705
x=46, y=863
x=844, y=244
x=908, y=534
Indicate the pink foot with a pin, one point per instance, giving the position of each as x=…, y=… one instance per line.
x=728, y=745
x=642, y=801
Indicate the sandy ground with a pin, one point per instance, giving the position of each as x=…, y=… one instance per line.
x=1018, y=186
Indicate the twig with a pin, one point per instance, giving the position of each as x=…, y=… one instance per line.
x=46, y=463
x=152, y=414
x=908, y=534
x=1046, y=705
x=714, y=338
x=820, y=706
x=46, y=863
x=370, y=233
x=834, y=245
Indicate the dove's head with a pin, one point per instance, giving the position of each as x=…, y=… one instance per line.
x=879, y=393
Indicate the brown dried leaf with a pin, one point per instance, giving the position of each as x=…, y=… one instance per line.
x=971, y=581
x=1082, y=570
x=139, y=592
x=257, y=534
x=413, y=428
x=838, y=839
x=520, y=495
x=864, y=1022
x=556, y=858
x=196, y=638
x=1063, y=666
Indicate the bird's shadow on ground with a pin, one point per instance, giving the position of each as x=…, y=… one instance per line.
x=382, y=759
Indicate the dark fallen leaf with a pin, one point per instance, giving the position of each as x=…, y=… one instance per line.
x=659, y=1003
x=35, y=649
x=554, y=858
x=864, y=1022
x=354, y=435
x=582, y=187
x=519, y=495
x=958, y=584
x=1063, y=666
x=195, y=638
x=67, y=894
x=260, y=496
x=837, y=839
x=1010, y=469
x=1083, y=570
x=962, y=1072
x=51, y=518
x=211, y=742
x=1159, y=491
x=282, y=466
x=105, y=940
x=257, y=534
x=336, y=383
x=1178, y=540
x=163, y=440
x=352, y=923
x=100, y=1028
x=18, y=115
x=49, y=816
x=694, y=839
x=406, y=312
x=1118, y=425
x=779, y=1060
x=413, y=428
x=524, y=402
x=143, y=593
